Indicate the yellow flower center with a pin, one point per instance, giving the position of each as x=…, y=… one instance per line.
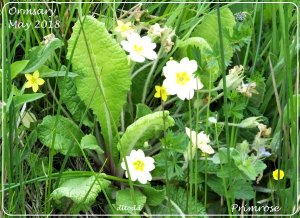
x=124, y=28
x=182, y=78
x=138, y=48
x=33, y=80
x=139, y=165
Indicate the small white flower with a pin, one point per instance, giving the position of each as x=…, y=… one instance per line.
x=139, y=166
x=201, y=140
x=212, y=120
x=124, y=28
x=180, y=80
x=139, y=48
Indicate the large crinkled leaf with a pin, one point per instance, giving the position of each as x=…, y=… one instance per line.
x=209, y=30
x=77, y=108
x=145, y=128
x=108, y=71
x=82, y=191
x=209, y=63
x=154, y=196
x=66, y=132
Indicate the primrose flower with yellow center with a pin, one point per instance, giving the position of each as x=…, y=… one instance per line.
x=139, y=166
x=161, y=92
x=34, y=81
x=180, y=79
x=200, y=140
x=124, y=28
x=139, y=48
x=278, y=174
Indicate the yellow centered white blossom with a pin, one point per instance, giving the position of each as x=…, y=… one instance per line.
x=124, y=28
x=34, y=81
x=180, y=80
x=139, y=48
x=200, y=140
x=278, y=174
x=161, y=92
x=139, y=166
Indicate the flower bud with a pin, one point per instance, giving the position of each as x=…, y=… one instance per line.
x=247, y=89
x=249, y=122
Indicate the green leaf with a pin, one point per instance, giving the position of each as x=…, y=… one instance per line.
x=216, y=184
x=67, y=134
x=126, y=204
x=82, y=191
x=47, y=72
x=142, y=110
x=241, y=189
x=17, y=67
x=144, y=129
x=39, y=55
x=154, y=196
x=179, y=196
x=209, y=30
x=26, y=98
x=110, y=64
x=259, y=166
x=69, y=96
x=90, y=142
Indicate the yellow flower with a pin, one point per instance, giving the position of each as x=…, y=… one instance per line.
x=161, y=92
x=34, y=81
x=278, y=174
x=124, y=28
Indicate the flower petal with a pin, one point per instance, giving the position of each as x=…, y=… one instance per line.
x=189, y=66
x=28, y=84
x=35, y=87
x=140, y=154
x=136, y=57
x=28, y=76
x=142, y=179
x=40, y=81
x=133, y=37
x=170, y=69
x=126, y=45
x=149, y=54
x=36, y=74
x=171, y=86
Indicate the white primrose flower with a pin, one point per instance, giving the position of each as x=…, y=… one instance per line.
x=139, y=48
x=139, y=166
x=180, y=80
x=124, y=28
x=200, y=140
